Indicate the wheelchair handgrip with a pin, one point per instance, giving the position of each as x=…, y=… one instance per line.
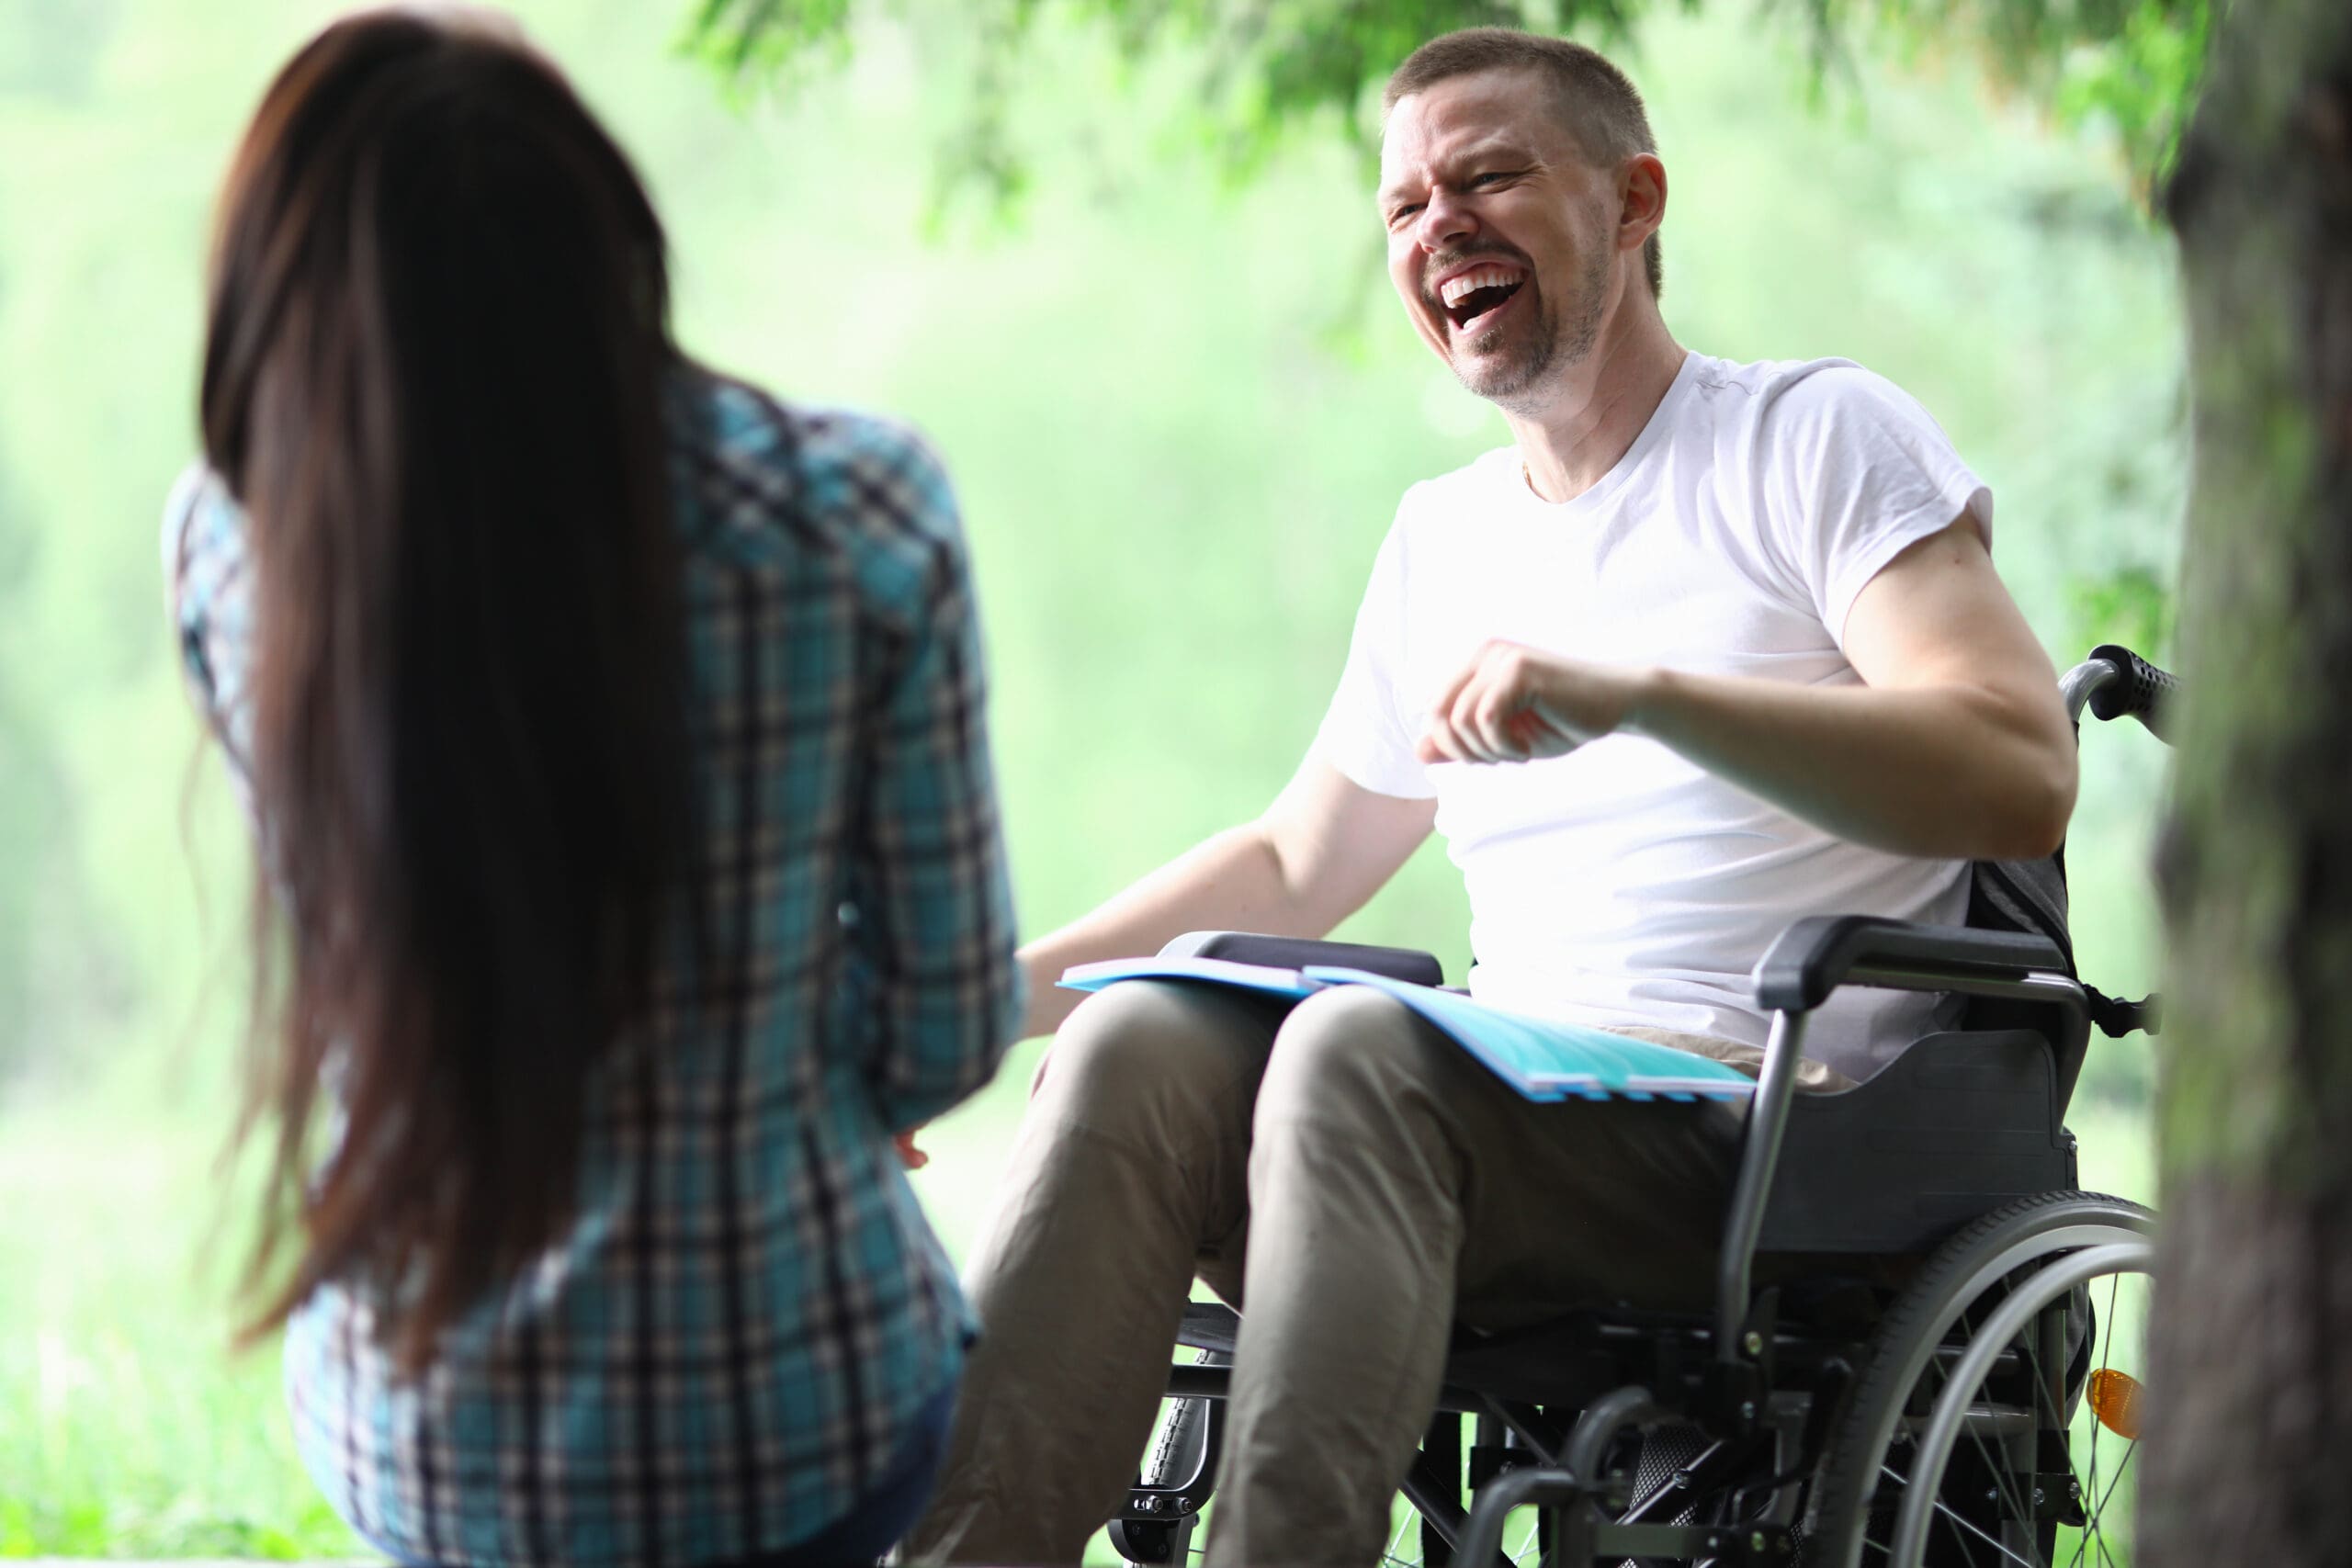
x=2141, y=690
x=1815, y=954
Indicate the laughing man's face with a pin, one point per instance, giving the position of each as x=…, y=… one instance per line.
x=1498, y=231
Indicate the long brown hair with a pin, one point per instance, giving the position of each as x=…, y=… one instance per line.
x=433, y=376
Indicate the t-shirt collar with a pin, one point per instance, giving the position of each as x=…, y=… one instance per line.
x=1653, y=436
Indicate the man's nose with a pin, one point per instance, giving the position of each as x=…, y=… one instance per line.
x=1445, y=223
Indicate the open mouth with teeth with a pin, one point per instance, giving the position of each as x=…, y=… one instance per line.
x=1472, y=297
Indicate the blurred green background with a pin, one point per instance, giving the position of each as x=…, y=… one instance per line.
x=1178, y=413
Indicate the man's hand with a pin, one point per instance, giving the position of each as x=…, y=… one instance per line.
x=1514, y=704
x=911, y=1157
x=1954, y=746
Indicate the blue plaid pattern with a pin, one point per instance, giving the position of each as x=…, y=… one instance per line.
x=722, y=1352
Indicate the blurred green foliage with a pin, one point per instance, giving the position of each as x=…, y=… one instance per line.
x=2132, y=606
x=1266, y=69
x=1180, y=412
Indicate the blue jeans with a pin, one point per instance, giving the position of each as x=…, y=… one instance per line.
x=874, y=1523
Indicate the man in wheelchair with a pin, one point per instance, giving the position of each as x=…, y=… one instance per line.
x=1711, y=646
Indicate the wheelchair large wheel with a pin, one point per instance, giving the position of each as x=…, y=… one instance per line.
x=1997, y=1413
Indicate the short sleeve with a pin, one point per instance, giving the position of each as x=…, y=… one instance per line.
x=1857, y=473
x=1365, y=733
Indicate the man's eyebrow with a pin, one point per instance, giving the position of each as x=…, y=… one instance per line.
x=1515, y=154
x=1504, y=151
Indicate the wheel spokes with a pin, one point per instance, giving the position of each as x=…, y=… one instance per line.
x=2091, y=1530
x=1991, y=1490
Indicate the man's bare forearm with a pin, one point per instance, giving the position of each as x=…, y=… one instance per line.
x=1312, y=858
x=1957, y=771
x=1233, y=881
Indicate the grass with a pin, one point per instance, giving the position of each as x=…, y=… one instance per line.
x=126, y=1427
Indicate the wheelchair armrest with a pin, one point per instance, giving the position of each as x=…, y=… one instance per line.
x=1815, y=954
x=1297, y=952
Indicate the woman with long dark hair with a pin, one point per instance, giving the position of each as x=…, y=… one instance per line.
x=628, y=868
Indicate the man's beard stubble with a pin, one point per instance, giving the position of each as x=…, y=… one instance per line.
x=1561, y=338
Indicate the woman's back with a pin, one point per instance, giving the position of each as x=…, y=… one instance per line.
x=732, y=1333
x=736, y=1313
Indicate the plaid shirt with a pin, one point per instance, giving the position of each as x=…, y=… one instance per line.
x=727, y=1345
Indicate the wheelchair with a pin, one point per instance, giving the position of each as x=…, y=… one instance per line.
x=1942, y=1370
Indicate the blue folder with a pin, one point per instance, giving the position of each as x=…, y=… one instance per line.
x=1542, y=1059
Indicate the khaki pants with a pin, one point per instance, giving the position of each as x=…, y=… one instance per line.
x=1350, y=1179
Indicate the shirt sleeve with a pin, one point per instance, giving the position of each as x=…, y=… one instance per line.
x=1366, y=734
x=209, y=598
x=940, y=925
x=1861, y=473
x=185, y=608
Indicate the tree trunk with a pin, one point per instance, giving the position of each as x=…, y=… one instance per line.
x=2250, y=1430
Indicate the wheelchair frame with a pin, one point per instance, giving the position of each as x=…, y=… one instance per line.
x=1726, y=1371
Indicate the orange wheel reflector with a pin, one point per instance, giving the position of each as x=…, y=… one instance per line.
x=2115, y=1399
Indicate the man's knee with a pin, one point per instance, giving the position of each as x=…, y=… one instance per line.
x=1144, y=1050
x=1350, y=1044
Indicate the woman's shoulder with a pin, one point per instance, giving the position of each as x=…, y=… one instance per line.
x=826, y=475
x=817, y=494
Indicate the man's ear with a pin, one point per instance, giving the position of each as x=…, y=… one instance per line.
x=1641, y=199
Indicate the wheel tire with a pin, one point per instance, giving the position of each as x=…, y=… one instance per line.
x=1181, y=1450
x=1974, y=1259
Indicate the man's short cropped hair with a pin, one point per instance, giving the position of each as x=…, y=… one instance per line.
x=1601, y=108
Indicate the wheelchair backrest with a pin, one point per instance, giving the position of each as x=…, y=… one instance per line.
x=2028, y=897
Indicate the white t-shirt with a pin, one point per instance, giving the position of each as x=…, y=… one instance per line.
x=1620, y=884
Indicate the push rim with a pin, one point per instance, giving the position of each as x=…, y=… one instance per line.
x=1924, y=1335
x=1978, y=1407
